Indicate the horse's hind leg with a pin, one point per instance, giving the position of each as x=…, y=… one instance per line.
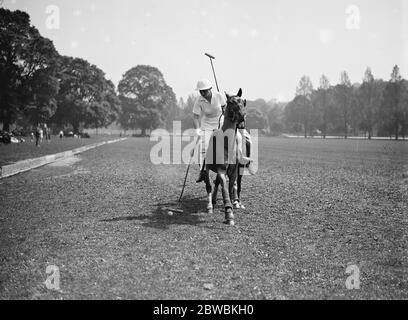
x=215, y=191
x=229, y=214
x=208, y=187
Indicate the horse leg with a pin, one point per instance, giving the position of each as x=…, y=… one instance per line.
x=215, y=191
x=233, y=188
x=229, y=215
x=208, y=187
x=235, y=196
x=239, y=181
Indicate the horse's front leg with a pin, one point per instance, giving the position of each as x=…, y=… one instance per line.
x=215, y=191
x=233, y=188
x=239, y=182
x=229, y=215
x=208, y=187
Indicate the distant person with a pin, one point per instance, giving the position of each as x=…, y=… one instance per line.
x=38, y=136
x=41, y=135
x=32, y=137
x=61, y=134
x=47, y=133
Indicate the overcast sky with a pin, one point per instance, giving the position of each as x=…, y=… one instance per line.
x=262, y=46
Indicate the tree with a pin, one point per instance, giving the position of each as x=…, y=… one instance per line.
x=255, y=119
x=27, y=70
x=149, y=100
x=321, y=100
x=392, y=106
x=343, y=96
x=104, y=108
x=187, y=113
x=85, y=96
x=369, y=98
x=293, y=114
x=304, y=91
x=275, y=118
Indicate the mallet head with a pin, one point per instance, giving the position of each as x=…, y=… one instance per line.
x=210, y=56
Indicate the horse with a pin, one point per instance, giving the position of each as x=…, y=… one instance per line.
x=224, y=158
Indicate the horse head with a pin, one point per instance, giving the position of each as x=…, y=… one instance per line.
x=236, y=108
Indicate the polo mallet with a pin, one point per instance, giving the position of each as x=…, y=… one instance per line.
x=188, y=168
x=212, y=66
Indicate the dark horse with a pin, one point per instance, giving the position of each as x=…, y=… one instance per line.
x=224, y=155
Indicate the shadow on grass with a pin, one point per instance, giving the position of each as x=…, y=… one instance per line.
x=191, y=211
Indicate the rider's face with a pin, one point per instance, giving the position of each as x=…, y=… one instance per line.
x=206, y=93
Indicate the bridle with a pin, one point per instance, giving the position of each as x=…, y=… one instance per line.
x=231, y=119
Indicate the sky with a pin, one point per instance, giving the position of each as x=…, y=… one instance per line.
x=261, y=46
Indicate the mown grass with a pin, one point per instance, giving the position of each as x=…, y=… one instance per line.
x=314, y=208
x=13, y=152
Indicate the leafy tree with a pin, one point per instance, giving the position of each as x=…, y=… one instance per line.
x=321, y=100
x=187, y=121
x=255, y=119
x=392, y=107
x=27, y=70
x=85, y=96
x=275, y=118
x=104, y=109
x=369, y=97
x=148, y=101
x=304, y=91
x=343, y=96
x=293, y=114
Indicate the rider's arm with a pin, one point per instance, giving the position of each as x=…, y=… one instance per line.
x=196, y=121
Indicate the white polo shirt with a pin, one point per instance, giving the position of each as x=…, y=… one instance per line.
x=210, y=112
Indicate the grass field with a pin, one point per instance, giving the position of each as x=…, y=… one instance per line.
x=314, y=208
x=10, y=153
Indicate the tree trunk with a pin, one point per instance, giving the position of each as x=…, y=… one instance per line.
x=75, y=127
x=6, y=126
x=345, y=130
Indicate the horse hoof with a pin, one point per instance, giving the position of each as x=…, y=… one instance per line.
x=237, y=205
x=210, y=211
x=231, y=223
x=242, y=207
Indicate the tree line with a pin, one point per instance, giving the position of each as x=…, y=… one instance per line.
x=373, y=107
x=38, y=85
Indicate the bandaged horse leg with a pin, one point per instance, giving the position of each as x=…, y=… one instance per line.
x=215, y=191
x=229, y=215
x=236, y=201
x=233, y=190
x=239, y=181
x=208, y=187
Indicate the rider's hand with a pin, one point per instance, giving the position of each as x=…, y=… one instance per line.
x=198, y=132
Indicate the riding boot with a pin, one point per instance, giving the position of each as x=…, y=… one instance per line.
x=202, y=175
